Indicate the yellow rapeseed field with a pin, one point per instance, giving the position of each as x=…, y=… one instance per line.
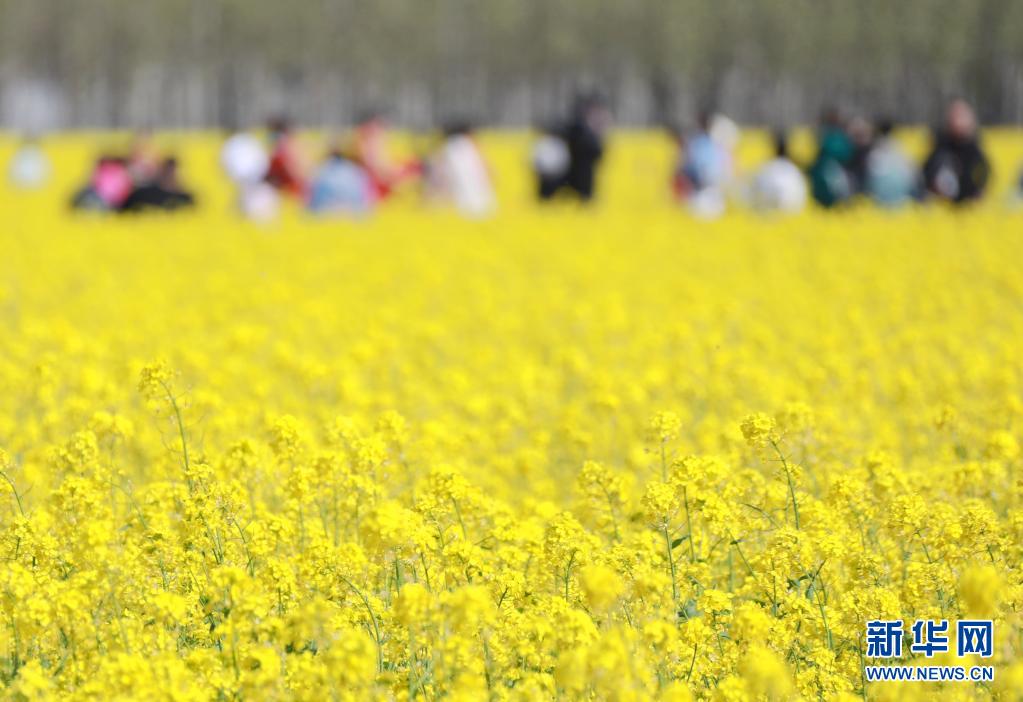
x=615, y=454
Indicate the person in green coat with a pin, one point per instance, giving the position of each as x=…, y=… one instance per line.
x=830, y=182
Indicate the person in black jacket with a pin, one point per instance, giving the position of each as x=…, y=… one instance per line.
x=585, y=139
x=582, y=138
x=164, y=192
x=957, y=169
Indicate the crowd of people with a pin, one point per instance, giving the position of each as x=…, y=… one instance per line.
x=143, y=179
x=357, y=176
x=855, y=159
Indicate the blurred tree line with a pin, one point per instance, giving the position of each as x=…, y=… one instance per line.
x=191, y=63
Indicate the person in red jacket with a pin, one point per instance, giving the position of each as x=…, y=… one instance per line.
x=284, y=172
x=370, y=151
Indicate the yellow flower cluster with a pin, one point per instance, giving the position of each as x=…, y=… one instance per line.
x=619, y=456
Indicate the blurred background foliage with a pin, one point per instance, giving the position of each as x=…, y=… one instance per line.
x=192, y=63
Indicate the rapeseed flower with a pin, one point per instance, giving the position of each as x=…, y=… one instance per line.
x=549, y=458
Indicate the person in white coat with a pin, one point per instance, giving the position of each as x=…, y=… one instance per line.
x=779, y=185
x=29, y=168
x=458, y=173
x=245, y=161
